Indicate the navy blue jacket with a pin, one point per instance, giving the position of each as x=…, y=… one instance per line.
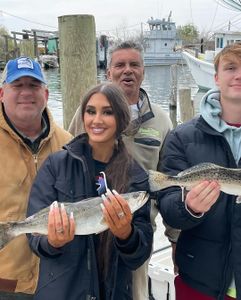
x=70, y=272
x=209, y=248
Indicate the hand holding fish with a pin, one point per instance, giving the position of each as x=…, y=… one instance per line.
x=202, y=196
x=88, y=219
x=117, y=215
x=61, y=229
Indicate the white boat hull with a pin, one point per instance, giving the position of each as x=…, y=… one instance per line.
x=163, y=59
x=48, y=61
x=202, y=71
x=162, y=275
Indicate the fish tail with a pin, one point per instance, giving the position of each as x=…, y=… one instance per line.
x=6, y=233
x=157, y=180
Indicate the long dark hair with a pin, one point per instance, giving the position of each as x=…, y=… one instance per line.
x=117, y=171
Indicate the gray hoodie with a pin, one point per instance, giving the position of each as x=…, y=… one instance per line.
x=211, y=109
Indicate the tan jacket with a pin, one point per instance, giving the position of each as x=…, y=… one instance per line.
x=18, y=167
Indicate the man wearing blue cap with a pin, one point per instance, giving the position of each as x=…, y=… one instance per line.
x=28, y=135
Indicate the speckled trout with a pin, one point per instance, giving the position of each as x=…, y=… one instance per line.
x=88, y=218
x=228, y=179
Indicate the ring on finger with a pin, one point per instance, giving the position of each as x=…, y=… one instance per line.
x=121, y=215
x=60, y=230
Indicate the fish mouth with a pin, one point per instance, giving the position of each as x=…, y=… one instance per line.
x=146, y=196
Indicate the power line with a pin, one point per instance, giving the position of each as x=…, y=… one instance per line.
x=235, y=19
x=26, y=20
x=230, y=4
x=190, y=4
x=120, y=27
x=214, y=17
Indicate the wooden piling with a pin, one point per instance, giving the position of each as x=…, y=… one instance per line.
x=173, y=95
x=173, y=116
x=27, y=48
x=35, y=40
x=77, y=44
x=185, y=104
x=6, y=48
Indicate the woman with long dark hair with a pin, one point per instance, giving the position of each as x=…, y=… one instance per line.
x=92, y=266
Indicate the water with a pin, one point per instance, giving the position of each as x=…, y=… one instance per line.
x=157, y=83
x=55, y=96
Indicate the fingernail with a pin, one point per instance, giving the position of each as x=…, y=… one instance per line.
x=51, y=207
x=103, y=197
x=71, y=215
x=108, y=191
x=62, y=206
x=102, y=206
x=115, y=192
x=55, y=204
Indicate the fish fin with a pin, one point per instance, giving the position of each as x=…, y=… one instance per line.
x=6, y=233
x=198, y=168
x=157, y=180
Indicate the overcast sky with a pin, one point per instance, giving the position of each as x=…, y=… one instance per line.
x=112, y=15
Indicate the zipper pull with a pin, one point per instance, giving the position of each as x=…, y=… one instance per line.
x=35, y=158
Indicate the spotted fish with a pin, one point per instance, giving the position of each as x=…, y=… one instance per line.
x=228, y=179
x=88, y=218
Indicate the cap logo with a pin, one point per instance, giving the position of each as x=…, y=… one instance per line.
x=20, y=67
x=25, y=62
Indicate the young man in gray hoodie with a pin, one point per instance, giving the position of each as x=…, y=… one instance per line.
x=208, y=248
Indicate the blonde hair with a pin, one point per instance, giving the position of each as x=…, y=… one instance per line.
x=233, y=50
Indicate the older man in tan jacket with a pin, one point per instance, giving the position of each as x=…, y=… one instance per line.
x=28, y=135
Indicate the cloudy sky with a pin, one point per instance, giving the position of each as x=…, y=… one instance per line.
x=113, y=15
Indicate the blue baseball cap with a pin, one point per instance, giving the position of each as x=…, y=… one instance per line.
x=20, y=67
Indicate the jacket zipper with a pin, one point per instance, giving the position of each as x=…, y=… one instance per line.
x=88, y=259
x=35, y=158
x=222, y=293
x=231, y=164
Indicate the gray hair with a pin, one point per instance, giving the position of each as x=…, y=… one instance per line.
x=123, y=45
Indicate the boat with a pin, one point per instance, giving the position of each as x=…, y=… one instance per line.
x=48, y=61
x=161, y=43
x=160, y=269
x=102, y=44
x=2, y=64
x=201, y=69
x=201, y=65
